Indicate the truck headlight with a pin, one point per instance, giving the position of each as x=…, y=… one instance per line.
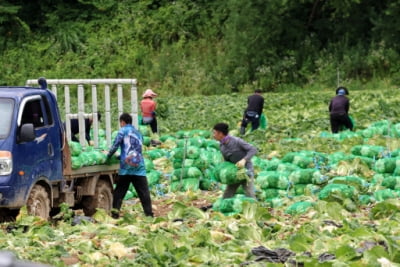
x=5, y=162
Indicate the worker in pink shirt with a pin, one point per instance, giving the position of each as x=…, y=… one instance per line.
x=148, y=107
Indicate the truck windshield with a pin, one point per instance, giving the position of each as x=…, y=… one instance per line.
x=6, y=111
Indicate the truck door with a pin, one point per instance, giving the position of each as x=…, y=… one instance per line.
x=42, y=156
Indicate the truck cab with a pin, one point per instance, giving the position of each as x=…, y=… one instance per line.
x=30, y=144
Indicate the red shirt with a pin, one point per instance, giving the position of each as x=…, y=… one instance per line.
x=148, y=106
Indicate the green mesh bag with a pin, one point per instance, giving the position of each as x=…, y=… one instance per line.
x=201, y=163
x=381, y=195
x=385, y=165
x=100, y=157
x=366, y=199
x=396, y=171
x=84, y=159
x=334, y=192
x=299, y=207
x=227, y=173
x=146, y=140
x=392, y=182
x=336, y=157
x=210, y=143
x=302, y=176
x=270, y=193
x=371, y=151
x=231, y=205
x=188, y=172
x=187, y=184
x=356, y=150
x=288, y=158
x=378, y=178
x=153, y=177
x=287, y=167
x=90, y=157
x=200, y=133
x=318, y=178
x=275, y=202
x=263, y=122
x=149, y=165
x=129, y=194
x=198, y=142
x=179, y=163
x=357, y=182
x=192, y=152
x=299, y=189
x=154, y=153
x=76, y=162
x=312, y=189
x=191, y=184
x=208, y=184
x=177, y=153
x=272, y=179
x=113, y=135
x=164, y=138
x=302, y=161
x=144, y=130
x=272, y=165
x=75, y=148
x=182, y=134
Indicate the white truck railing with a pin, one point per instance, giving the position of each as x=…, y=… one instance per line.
x=95, y=84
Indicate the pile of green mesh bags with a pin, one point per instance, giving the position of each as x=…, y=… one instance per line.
x=86, y=157
x=294, y=175
x=383, y=127
x=193, y=159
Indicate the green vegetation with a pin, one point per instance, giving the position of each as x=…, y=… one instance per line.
x=189, y=47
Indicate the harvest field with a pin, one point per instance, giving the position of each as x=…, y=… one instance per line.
x=323, y=199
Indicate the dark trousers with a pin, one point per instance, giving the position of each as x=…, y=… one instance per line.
x=153, y=125
x=340, y=120
x=142, y=189
x=255, y=122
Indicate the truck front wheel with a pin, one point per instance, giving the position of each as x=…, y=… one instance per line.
x=101, y=199
x=38, y=202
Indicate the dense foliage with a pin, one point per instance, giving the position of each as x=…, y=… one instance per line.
x=203, y=47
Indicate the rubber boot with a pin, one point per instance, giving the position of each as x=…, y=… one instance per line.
x=242, y=130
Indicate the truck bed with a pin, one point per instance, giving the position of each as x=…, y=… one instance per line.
x=91, y=170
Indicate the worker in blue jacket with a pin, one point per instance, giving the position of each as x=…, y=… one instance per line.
x=132, y=167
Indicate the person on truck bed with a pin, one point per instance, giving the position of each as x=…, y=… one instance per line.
x=132, y=167
x=148, y=108
x=88, y=126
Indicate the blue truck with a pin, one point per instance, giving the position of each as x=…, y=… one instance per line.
x=35, y=160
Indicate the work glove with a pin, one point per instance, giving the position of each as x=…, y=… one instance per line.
x=241, y=163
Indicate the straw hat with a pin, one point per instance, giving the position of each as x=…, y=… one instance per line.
x=149, y=93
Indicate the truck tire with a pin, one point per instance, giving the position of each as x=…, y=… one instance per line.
x=102, y=199
x=38, y=203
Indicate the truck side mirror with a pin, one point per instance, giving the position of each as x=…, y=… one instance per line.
x=27, y=133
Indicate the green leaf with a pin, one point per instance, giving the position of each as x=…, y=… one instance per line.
x=385, y=209
x=346, y=253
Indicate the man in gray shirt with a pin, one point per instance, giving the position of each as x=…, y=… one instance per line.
x=237, y=151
